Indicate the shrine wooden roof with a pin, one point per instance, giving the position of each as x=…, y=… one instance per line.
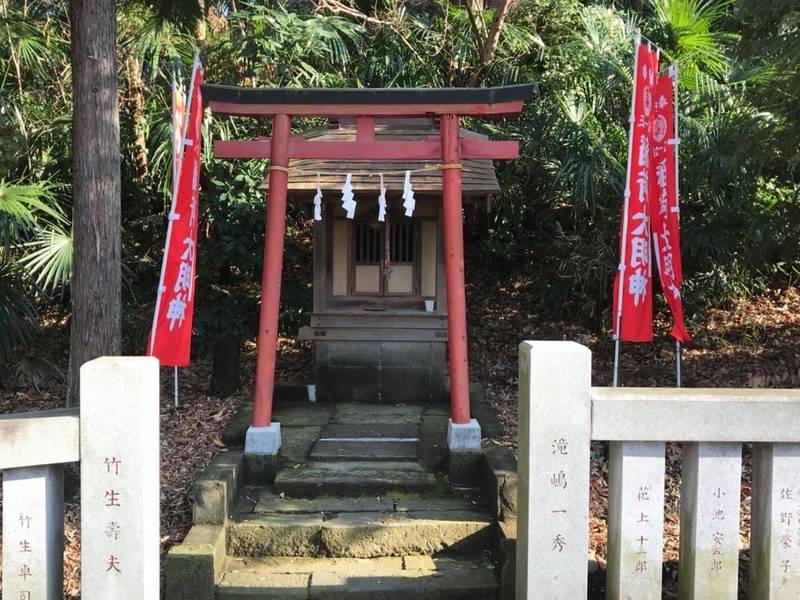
x=478, y=177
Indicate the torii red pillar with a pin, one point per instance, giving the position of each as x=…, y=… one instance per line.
x=272, y=270
x=454, y=270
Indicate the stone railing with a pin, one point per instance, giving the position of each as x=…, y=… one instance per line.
x=560, y=414
x=115, y=436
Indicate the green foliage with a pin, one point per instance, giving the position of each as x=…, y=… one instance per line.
x=18, y=316
x=277, y=47
x=559, y=210
x=739, y=213
x=687, y=31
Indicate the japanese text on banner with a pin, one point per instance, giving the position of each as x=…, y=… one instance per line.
x=633, y=304
x=172, y=326
x=664, y=210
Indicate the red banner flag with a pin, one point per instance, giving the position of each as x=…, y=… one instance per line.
x=633, y=286
x=171, y=334
x=664, y=209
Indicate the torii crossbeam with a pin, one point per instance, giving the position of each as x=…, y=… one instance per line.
x=364, y=104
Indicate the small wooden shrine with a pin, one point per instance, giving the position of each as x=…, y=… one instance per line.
x=379, y=319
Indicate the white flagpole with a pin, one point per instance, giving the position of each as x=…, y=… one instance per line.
x=176, y=170
x=177, y=150
x=176, y=389
x=673, y=72
x=623, y=240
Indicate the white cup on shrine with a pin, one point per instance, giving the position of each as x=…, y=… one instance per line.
x=429, y=305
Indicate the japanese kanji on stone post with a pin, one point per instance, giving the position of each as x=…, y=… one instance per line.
x=120, y=478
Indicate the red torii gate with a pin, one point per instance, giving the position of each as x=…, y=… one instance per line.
x=365, y=104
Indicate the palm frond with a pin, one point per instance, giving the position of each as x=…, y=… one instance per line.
x=50, y=258
x=22, y=207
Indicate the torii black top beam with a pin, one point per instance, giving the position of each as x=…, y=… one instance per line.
x=256, y=102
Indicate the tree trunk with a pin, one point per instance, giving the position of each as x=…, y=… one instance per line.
x=96, y=295
x=489, y=48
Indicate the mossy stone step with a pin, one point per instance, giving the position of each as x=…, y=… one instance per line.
x=346, y=478
x=356, y=449
x=360, y=535
x=400, y=578
x=370, y=430
x=267, y=502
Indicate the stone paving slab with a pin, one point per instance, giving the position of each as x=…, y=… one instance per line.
x=275, y=535
x=297, y=442
x=359, y=412
x=406, y=578
x=288, y=415
x=268, y=502
x=364, y=450
x=430, y=563
x=477, y=584
x=436, y=411
x=248, y=585
x=302, y=415
x=355, y=479
x=360, y=535
x=370, y=430
x=446, y=503
x=308, y=565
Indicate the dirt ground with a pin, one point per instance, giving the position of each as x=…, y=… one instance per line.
x=754, y=343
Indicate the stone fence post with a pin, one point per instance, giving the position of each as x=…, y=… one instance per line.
x=120, y=478
x=33, y=450
x=554, y=440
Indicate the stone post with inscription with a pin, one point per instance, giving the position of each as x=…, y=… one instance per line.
x=635, y=520
x=120, y=478
x=775, y=537
x=554, y=438
x=33, y=533
x=711, y=475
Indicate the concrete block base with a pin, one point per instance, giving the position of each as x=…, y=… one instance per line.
x=499, y=480
x=260, y=469
x=463, y=436
x=263, y=440
x=464, y=468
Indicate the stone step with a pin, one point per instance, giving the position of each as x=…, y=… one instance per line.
x=360, y=534
x=259, y=499
x=400, y=578
x=403, y=449
x=267, y=502
x=370, y=430
x=345, y=478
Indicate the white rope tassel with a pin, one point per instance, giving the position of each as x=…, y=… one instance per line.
x=318, y=202
x=382, y=203
x=348, y=200
x=408, y=195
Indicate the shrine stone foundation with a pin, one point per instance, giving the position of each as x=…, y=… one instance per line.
x=388, y=372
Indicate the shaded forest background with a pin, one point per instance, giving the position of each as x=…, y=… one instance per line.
x=552, y=232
